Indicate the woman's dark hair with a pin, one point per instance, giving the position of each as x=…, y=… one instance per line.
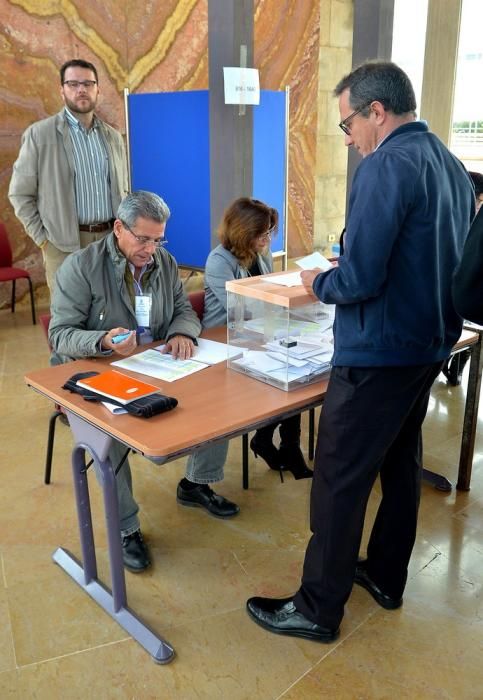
x=245, y=220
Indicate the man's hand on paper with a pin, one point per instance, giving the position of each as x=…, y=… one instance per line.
x=125, y=347
x=308, y=277
x=180, y=347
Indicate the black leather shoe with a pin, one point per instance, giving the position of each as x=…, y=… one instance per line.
x=202, y=496
x=279, y=615
x=362, y=579
x=135, y=553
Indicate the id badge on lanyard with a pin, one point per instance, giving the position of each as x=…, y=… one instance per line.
x=143, y=310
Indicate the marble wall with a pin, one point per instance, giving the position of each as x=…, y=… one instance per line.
x=335, y=58
x=163, y=45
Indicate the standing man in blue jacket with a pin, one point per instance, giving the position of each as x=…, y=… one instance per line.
x=410, y=209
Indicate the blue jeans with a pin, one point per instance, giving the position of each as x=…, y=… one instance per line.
x=205, y=465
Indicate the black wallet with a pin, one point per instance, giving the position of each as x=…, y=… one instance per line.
x=144, y=407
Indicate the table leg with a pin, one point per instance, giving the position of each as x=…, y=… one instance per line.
x=471, y=415
x=311, y=432
x=89, y=438
x=245, y=460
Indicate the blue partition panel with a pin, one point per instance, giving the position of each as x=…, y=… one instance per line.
x=169, y=141
x=170, y=155
x=269, y=157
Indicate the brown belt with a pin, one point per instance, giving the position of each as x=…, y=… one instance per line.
x=97, y=228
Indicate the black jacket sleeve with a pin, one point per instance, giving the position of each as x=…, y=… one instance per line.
x=468, y=279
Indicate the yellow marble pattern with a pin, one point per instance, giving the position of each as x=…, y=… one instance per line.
x=56, y=643
x=150, y=47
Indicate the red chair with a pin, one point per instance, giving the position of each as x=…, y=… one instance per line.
x=197, y=301
x=12, y=274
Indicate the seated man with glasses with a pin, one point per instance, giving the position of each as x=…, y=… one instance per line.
x=125, y=283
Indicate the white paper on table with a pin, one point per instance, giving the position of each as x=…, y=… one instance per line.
x=156, y=364
x=116, y=410
x=291, y=279
x=299, y=351
x=259, y=361
x=289, y=360
x=313, y=261
x=322, y=359
x=211, y=351
x=290, y=374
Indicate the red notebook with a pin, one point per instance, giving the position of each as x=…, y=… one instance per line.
x=118, y=386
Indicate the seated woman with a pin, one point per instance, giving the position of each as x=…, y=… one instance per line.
x=245, y=232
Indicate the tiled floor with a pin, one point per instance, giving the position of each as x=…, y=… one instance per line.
x=56, y=643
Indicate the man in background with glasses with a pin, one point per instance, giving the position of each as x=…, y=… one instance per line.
x=410, y=209
x=71, y=172
x=125, y=284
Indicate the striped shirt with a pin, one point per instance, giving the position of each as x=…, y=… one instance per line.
x=91, y=172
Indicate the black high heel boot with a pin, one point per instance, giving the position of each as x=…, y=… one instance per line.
x=267, y=451
x=261, y=444
x=292, y=460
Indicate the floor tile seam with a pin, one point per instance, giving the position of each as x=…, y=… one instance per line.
x=330, y=651
x=470, y=504
x=240, y=564
x=4, y=575
x=438, y=553
x=78, y=652
x=11, y=632
x=461, y=571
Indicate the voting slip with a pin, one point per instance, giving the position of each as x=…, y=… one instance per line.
x=118, y=386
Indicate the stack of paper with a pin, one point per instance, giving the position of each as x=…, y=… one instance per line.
x=155, y=363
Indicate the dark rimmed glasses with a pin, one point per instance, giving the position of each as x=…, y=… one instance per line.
x=344, y=124
x=76, y=84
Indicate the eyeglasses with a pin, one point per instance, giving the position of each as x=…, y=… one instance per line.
x=268, y=235
x=344, y=123
x=76, y=84
x=144, y=240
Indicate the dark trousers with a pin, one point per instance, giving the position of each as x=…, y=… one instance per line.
x=370, y=424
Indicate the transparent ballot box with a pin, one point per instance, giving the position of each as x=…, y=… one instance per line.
x=278, y=334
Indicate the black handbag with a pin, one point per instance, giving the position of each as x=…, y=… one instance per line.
x=144, y=407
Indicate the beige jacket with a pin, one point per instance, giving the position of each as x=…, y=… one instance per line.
x=42, y=186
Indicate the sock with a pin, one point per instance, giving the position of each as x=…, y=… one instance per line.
x=187, y=485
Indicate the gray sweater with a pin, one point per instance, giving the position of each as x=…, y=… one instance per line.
x=91, y=297
x=221, y=266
